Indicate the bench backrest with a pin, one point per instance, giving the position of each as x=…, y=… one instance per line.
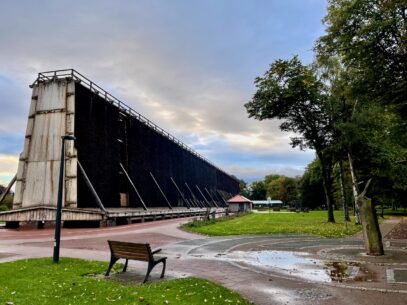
x=136, y=251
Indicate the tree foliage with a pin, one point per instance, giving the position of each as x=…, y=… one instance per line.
x=369, y=36
x=312, y=189
x=284, y=188
x=293, y=92
x=258, y=190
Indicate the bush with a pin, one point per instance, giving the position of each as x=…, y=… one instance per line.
x=7, y=203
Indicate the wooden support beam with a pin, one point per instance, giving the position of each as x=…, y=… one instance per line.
x=161, y=191
x=9, y=186
x=199, y=190
x=214, y=202
x=92, y=189
x=193, y=196
x=134, y=187
x=179, y=191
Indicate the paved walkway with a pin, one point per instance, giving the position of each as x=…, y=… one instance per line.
x=299, y=271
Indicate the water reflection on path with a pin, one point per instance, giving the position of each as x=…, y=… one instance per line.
x=298, y=264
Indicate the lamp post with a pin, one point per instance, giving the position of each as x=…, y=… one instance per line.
x=59, y=202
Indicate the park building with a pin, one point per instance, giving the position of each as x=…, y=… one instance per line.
x=239, y=204
x=117, y=165
x=269, y=203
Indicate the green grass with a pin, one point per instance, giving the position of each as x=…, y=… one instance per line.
x=389, y=211
x=314, y=222
x=74, y=281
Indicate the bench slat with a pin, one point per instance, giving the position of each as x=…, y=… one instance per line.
x=131, y=255
x=127, y=250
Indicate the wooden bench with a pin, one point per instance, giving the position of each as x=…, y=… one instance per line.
x=135, y=251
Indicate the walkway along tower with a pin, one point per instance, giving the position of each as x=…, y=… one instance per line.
x=121, y=167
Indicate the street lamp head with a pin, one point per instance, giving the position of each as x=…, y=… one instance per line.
x=68, y=137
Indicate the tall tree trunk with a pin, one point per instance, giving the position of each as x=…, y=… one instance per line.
x=355, y=189
x=371, y=231
x=326, y=168
x=343, y=193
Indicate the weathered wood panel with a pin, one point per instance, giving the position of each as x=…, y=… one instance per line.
x=51, y=96
x=71, y=192
x=38, y=172
x=33, y=104
x=48, y=214
x=46, y=137
x=51, y=182
x=26, y=149
x=30, y=127
x=34, y=184
x=18, y=194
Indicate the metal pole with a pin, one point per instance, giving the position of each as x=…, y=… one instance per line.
x=57, y=239
x=134, y=187
x=214, y=202
x=207, y=202
x=161, y=191
x=221, y=196
x=92, y=189
x=218, y=198
x=193, y=196
x=179, y=191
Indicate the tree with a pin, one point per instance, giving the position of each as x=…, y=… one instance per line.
x=283, y=188
x=244, y=190
x=311, y=187
x=368, y=38
x=258, y=190
x=292, y=92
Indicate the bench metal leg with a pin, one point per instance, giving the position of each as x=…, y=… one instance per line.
x=149, y=268
x=162, y=272
x=125, y=265
x=113, y=260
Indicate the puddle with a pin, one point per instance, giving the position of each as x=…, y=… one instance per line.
x=297, y=264
x=301, y=265
x=340, y=271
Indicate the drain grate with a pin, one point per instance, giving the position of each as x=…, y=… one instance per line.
x=397, y=275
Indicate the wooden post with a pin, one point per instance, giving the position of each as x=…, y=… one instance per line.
x=371, y=230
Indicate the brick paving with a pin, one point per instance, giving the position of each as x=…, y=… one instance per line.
x=257, y=285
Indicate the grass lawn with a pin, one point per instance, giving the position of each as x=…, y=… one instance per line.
x=398, y=212
x=74, y=281
x=314, y=222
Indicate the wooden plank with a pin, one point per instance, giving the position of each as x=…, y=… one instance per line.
x=26, y=149
x=34, y=184
x=30, y=127
x=33, y=104
x=51, y=183
x=51, y=96
x=71, y=191
x=70, y=97
x=18, y=192
x=46, y=138
x=21, y=170
x=71, y=166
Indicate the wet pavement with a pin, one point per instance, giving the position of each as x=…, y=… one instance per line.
x=267, y=269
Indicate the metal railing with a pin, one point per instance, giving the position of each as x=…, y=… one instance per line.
x=96, y=89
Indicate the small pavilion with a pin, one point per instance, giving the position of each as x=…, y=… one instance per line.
x=239, y=204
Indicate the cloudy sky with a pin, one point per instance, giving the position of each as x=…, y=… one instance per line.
x=187, y=65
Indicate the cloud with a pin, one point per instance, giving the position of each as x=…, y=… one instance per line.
x=188, y=66
x=8, y=168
